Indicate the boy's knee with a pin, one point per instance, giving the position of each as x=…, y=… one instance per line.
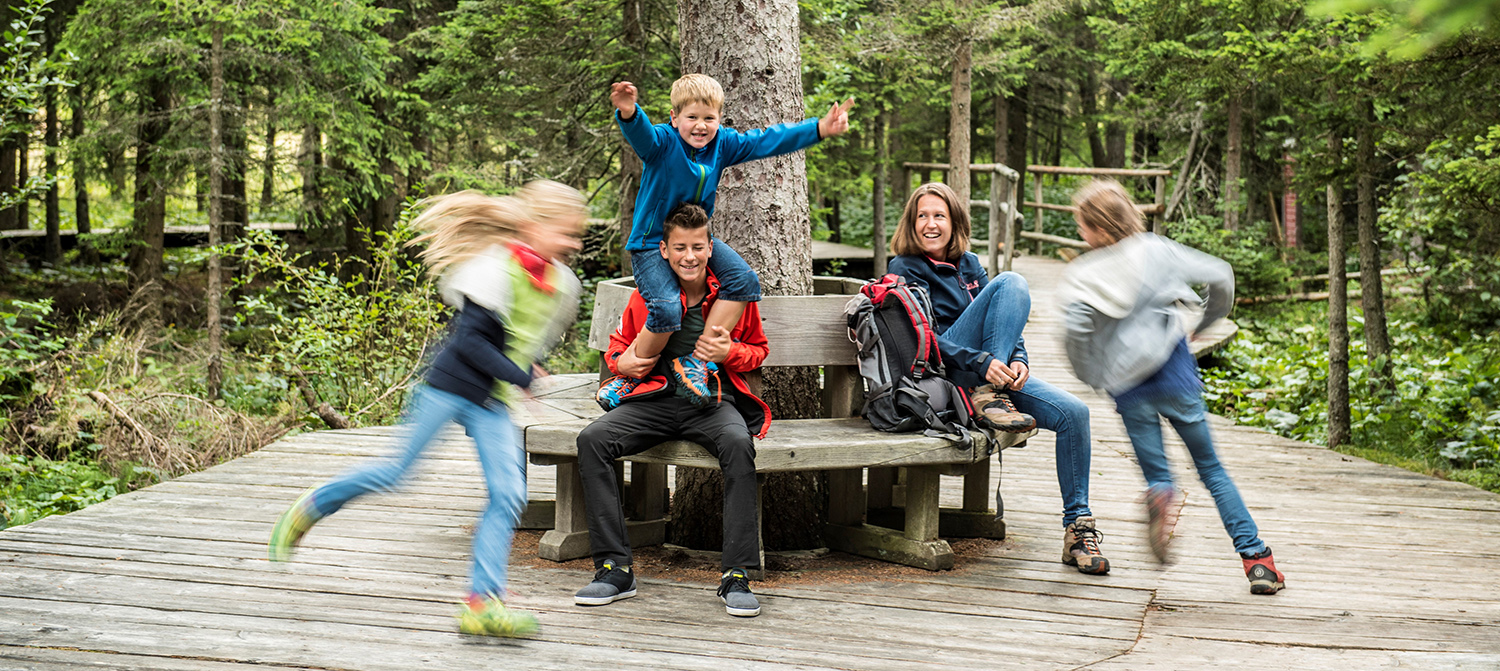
x=745, y=287
x=663, y=316
x=737, y=455
x=593, y=439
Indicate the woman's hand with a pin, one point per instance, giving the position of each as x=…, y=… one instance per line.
x=713, y=345
x=622, y=94
x=1021, y=373
x=631, y=365
x=999, y=374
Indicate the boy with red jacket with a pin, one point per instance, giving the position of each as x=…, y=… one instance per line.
x=646, y=407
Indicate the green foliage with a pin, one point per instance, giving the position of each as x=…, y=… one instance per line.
x=34, y=487
x=26, y=340
x=359, y=341
x=1420, y=25
x=1259, y=268
x=1440, y=414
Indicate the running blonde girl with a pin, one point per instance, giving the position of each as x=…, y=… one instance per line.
x=499, y=263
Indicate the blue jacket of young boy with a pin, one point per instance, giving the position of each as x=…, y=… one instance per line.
x=675, y=173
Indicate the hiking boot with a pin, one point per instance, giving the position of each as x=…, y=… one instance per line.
x=692, y=376
x=490, y=617
x=1081, y=547
x=611, y=583
x=1261, y=570
x=292, y=526
x=734, y=590
x=614, y=390
x=1161, y=519
x=995, y=410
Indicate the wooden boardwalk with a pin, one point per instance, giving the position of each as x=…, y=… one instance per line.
x=1385, y=569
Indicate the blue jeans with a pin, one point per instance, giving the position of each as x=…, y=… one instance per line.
x=1185, y=412
x=993, y=323
x=500, y=457
x=658, y=284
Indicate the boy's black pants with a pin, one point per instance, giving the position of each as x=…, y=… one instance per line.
x=637, y=426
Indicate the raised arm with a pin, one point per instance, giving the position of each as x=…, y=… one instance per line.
x=1197, y=267
x=634, y=124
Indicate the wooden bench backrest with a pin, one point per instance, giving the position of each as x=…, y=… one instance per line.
x=801, y=330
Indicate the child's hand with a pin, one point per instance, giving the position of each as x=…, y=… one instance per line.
x=713, y=345
x=623, y=95
x=836, y=121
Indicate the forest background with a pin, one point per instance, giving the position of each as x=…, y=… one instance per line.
x=1306, y=141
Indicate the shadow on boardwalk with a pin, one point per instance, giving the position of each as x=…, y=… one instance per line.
x=1385, y=568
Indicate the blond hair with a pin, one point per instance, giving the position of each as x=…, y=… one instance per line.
x=1105, y=206
x=906, y=241
x=696, y=88
x=457, y=226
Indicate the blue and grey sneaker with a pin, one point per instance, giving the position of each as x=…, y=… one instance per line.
x=613, y=390
x=611, y=583
x=693, y=380
x=734, y=590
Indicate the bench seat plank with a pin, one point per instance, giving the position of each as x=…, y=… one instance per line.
x=792, y=445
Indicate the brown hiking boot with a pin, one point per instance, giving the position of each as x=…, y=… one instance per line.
x=1261, y=570
x=1081, y=547
x=995, y=410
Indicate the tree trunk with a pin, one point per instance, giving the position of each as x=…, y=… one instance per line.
x=23, y=175
x=1372, y=295
x=835, y=222
x=309, y=161
x=1017, y=111
x=236, y=136
x=80, y=167
x=958, y=120
x=8, y=219
x=1114, y=130
x=150, y=212
x=1338, y=319
x=634, y=39
x=1233, y=157
x=268, y=164
x=1088, y=103
x=882, y=163
x=52, y=253
x=762, y=212
x=215, y=209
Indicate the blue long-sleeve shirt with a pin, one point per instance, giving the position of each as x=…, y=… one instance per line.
x=952, y=288
x=674, y=172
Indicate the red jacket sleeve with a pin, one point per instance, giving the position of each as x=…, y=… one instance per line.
x=630, y=327
x=749, y=348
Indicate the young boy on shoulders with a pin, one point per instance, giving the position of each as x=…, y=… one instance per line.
x=657, y=409
x=682, y=161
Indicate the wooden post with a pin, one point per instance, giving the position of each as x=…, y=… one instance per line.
x=995, y=207
x=1159, y=220
x=1012, y=195
x=1038, y=227
x=921, y=504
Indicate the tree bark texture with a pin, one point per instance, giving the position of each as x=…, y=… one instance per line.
x=630, y=164
x=1233, y=157
x=8, y=218
x=215, y=209
x=268, y=163
x=959, y=114
x=309, y=160
x=1114, y=130
x=52, y=252
x=1017, y=111
x=762, y=212
x=882, y=162
x=1372, y=296
x=80, y=167
x=23, y=176
x=1338, y=318
x=150, y=212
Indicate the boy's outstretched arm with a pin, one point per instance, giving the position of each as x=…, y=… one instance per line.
x=634, y=123
x=787, y=137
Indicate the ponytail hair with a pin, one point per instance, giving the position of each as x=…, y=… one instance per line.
x=457, y=226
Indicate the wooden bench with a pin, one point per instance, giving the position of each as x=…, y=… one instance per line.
x=803, y=331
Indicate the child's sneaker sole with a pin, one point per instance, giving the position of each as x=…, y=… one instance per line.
x=740, y=612
x=602, y=600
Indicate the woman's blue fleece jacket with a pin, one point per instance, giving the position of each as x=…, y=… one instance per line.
x=952, y=288
x=675, y=173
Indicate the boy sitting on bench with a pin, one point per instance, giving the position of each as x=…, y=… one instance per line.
x=657, y=411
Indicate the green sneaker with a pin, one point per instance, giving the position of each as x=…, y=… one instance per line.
x=293, y=524
x=494, y=619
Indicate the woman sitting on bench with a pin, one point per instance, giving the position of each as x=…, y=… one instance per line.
x=979, y=324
